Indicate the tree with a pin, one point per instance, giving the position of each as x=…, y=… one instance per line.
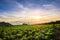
x=25, y=24
x=5, y=24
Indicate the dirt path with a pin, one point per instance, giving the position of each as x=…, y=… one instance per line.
x=57, y=34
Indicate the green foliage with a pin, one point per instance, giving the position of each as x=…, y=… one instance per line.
x=27, y=32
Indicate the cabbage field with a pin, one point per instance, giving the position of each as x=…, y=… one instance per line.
x=27, y=32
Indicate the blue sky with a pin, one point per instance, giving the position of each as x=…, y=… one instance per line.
x=14, y=9
x=8, y=5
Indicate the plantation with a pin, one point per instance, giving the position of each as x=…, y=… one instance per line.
x=27, y=32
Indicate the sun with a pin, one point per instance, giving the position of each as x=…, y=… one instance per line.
x=37, y=17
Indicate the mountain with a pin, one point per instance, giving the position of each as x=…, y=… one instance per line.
x=53, y=22
x=5, y=24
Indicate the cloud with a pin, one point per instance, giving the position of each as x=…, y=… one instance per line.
x=23, y=13
x=49, y=8
x=22, y=10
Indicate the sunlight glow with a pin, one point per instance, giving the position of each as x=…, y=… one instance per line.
x=37, y=17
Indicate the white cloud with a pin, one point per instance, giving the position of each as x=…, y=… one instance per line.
x=50, y=6
x=25, y=12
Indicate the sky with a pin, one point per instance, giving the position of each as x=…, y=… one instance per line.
x=29, y=11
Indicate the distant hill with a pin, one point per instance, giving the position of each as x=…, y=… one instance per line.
x=8, y=24
x=53, y=22
x=5, y=24
x=57, y=22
